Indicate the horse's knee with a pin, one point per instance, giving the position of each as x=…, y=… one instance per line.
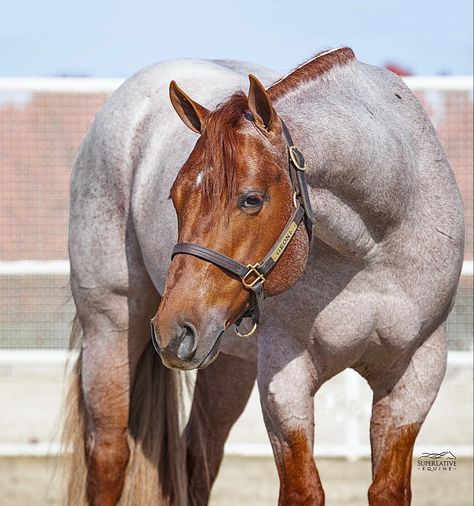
x=279, y=405
x=107, y=458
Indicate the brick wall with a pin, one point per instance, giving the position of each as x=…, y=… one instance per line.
x=39, y=137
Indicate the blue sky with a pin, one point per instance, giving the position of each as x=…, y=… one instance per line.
x=116, y=38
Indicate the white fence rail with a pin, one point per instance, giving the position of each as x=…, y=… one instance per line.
x=61, y=267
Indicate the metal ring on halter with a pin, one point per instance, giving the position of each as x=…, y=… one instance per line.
x=295, y=202
x=297, y=158
x=248, y=334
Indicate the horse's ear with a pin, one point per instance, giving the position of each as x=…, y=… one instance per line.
x=192, y=114
x=260, y=105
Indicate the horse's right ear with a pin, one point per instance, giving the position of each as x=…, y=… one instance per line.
x=192, y=114
x=260, y=105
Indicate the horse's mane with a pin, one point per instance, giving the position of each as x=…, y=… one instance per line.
x=221, y=155
x=316, y=66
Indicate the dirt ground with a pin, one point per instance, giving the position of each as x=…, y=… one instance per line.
x=253, y=481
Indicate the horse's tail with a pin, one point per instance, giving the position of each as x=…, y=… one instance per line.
x=156, y=471
x=73, y=454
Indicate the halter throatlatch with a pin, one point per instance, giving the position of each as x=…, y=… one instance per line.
x=253, y=275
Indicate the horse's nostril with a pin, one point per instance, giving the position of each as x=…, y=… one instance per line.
x=187, y=345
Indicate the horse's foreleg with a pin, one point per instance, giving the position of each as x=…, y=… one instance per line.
x=397, y=415
x=107, y=368
x=286, y=393
x=221, y=393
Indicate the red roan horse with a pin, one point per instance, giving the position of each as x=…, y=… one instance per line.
x=371, y=291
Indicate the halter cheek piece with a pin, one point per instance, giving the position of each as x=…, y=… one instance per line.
x=253, y=275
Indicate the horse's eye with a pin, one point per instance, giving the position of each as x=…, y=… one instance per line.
x=250, y=201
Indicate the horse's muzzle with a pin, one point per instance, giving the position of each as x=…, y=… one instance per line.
x=182, y=351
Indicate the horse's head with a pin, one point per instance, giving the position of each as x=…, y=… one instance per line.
x=234, y=196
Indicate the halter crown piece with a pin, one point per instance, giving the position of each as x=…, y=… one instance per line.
x=253, y=275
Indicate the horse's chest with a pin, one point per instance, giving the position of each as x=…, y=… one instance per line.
x=340, y=307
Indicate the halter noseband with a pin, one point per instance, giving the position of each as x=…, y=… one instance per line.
x=253, y=275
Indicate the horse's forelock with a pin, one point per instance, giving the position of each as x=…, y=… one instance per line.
x=221, y=147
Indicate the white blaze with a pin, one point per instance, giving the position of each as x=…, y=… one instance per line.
x=199, y=178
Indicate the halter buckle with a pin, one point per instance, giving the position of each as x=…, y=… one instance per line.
x=297, y=158
x=253, y=269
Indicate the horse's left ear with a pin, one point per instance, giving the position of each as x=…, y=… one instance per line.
x=191, y=113
x=260, y=105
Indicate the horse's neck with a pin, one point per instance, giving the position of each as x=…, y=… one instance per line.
x=359, y=164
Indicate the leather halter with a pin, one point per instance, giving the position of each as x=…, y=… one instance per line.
x=253, y=275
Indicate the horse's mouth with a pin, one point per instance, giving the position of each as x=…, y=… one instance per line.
x=213, y=353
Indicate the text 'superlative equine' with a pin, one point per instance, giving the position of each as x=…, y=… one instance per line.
x=371, y=291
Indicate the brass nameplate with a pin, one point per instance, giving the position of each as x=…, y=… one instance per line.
x=284, y=242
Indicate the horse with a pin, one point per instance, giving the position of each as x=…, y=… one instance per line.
x=326, y=192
